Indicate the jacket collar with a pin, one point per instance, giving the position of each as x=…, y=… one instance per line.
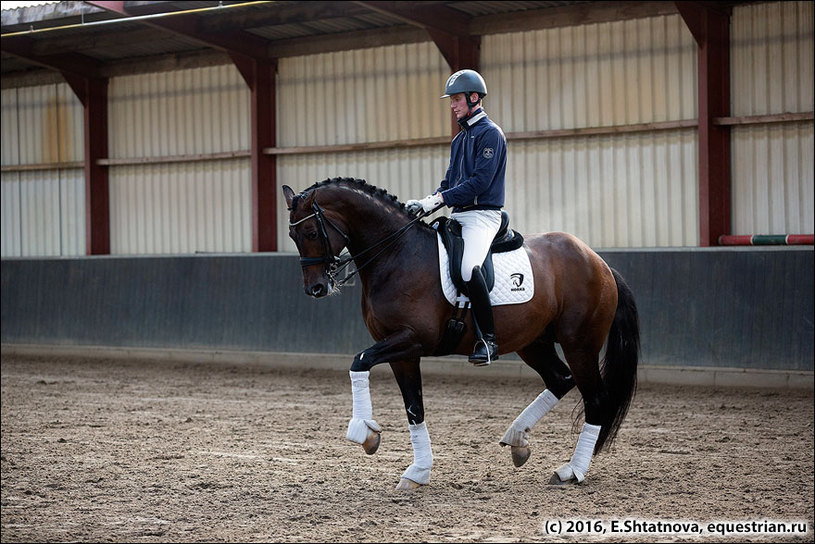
x=473, y=118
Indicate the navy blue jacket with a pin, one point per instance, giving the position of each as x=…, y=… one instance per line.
x=478, y=162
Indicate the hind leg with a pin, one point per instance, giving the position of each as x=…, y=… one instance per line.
x=585, y=366
x=543, y=358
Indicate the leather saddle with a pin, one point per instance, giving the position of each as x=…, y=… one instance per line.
x=450, y=231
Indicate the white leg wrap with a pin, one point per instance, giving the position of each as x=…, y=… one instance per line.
x=362, y=421
x=577, y=468
x=419, y=471
x=517, y=434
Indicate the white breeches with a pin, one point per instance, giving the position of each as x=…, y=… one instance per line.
x=478, y=228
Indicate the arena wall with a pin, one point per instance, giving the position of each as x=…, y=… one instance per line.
x=742, y=307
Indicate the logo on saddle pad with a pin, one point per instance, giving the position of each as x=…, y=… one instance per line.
x=517, y=280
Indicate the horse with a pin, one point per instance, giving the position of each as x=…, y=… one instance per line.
x=579, y=303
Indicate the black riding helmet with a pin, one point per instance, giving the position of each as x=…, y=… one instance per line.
x=467, y=82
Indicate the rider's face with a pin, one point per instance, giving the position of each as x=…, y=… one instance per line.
x=458, y=103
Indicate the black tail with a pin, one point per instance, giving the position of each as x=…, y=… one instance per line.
x=619, y=365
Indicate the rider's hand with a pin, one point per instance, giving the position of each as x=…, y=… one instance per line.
x=432, y=202
x=428, y=204
x=413, y=206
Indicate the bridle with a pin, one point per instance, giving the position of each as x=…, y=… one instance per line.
x=333, y=263
x=328, y=258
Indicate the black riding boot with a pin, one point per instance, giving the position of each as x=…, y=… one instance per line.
x=486, y=348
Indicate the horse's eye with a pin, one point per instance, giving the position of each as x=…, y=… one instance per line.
x=311, y=235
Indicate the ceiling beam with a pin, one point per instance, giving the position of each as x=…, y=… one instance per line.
x=346, y=41
x=430, y=17
x=70, y=63
x=79, y=42
x=39, y=52
x=277, y=49
x=187, y=25
x=448, y=28
x=283, y=14
x=696, y=15
x=580, y=14
x=459, y=51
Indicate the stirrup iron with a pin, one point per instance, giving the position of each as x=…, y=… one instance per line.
x=490, y=351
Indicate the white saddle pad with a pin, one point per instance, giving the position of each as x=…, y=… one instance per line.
x=513, y=277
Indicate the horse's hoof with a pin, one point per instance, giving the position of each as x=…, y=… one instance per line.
x=407, y=485
x=519, y=455
x=555, y=480
x=371, y=443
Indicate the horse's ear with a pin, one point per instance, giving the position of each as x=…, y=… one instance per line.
x=289, y=194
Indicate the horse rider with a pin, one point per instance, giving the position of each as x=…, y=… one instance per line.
x=474, y=187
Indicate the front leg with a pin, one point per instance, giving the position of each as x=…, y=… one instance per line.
x=409, y=377
x=362, y=428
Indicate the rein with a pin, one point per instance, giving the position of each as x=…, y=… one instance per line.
x=334, y=264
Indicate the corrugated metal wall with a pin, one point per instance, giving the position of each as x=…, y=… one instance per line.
x=772, y=72
x=43, y=210
x=622, y=190
x=10, y=234
x=627, y=190
x=190, y=207
x=366, y=95
x=406, y=173
x=604, y=74
x=362, y=96
x=611, y=191
x=183, y=207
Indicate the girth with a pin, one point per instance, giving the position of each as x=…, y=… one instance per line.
x=450, y=231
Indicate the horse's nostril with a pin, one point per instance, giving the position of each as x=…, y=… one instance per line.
x=317, y=290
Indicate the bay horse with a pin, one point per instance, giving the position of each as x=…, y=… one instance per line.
x=578, y=302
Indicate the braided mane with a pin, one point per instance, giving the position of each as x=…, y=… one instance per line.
x=360, y=184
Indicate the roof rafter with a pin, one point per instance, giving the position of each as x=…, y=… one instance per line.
x=70, y=63
x=431, y=17
x=449, y=29
x=236, y=42
x=296, y=13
